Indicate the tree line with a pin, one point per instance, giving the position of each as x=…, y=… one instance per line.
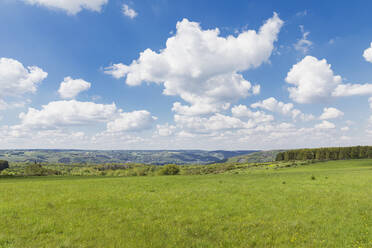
x=332, y=153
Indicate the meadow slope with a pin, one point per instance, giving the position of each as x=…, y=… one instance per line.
x=319, y=205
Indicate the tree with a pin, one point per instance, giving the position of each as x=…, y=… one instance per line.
x=279, y=156
x=332, y=153
x=4, y=165
x=37, y=170
x=170, y=169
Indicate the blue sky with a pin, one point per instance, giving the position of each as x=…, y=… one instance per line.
x=68, y=79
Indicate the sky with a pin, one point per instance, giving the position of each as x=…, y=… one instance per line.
x=172, y=74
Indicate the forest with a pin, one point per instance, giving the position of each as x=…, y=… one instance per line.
x=332, y=153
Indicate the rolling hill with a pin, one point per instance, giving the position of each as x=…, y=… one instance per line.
x=156, y=157
x=255, y=157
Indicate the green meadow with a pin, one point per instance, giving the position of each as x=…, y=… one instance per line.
x=327, y=204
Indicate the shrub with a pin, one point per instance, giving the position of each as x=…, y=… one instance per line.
x=7, y=172
x=313, y=178
x=38, y=170
x=170, y=169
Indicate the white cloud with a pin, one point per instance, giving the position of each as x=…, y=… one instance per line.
x=216, y=122
x=60, y=114
x=66, y=113
x=129, y=12
x=330, y=113
x=313, y=80
x=199, y=108
x=117, y=70
x=303, y=45
x=367, y=54
x=242, y=111
x=301, y=13
x=131, y=121
x=256, y=89
x=370, y=102
x=276, y=106
x=202, y=67
x=165, y=130
x=9, y=105
x=16, y=80
x=72, y=7
x=325, y=125
x=70, y=88
x=353, y=90
x=345, y=129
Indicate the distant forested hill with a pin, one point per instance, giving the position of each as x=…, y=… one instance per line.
x=120, y=156
x=256, y=157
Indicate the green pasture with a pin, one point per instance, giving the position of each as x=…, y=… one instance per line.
x=326, y=204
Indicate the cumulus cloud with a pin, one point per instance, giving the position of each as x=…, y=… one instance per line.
x=313, y=80
x=370, y=102
x=256, y=89
x=165, y=130
x=276, y=106
x=16, y=80
x=199, y=108
x=242, y=111
x=353, y=90
x=70, y=88
x=325, y=125
x=303, y=45
x=216, y=122
x=64, y=113
x=367, y=54
x=72, y=7
x=129, y=12
x=71, y=113
x=131, y=121
x=203, y=67
x=331, y=113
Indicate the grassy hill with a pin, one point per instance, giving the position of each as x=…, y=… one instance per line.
x=117, y=156
x=324, y=204
x=255, y=157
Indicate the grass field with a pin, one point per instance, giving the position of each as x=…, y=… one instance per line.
x=325, y=204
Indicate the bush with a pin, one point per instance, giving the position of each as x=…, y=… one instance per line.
x=4, y=165
x=38, y=170
x=8, y=172
x=170, y=169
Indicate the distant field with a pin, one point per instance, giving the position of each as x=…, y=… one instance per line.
x=325, y=204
